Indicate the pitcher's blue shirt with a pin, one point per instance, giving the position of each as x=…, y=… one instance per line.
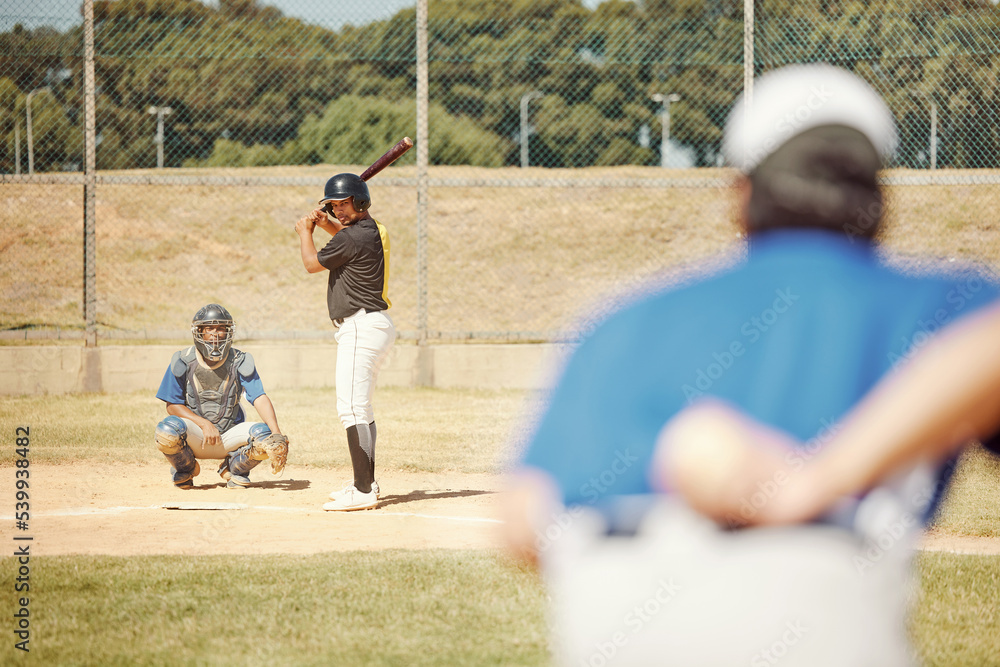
x=794, y=336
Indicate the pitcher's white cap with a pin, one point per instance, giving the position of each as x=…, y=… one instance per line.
x=796, y=98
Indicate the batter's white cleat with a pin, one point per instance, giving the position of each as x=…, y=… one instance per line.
x=351, y=499
x=334, y=495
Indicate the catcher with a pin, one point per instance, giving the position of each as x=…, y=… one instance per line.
x=202, y=389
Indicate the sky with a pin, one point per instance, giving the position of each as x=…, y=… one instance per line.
x=332, y=14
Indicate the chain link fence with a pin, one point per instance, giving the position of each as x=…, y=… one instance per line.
x=574, y=150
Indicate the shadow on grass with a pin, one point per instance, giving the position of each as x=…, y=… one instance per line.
x=416, y=496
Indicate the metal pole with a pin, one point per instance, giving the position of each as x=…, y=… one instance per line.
x=933, y=135
x=665, y=140
x=31, y=147
x=918, y=94
x=17, y=147
x=748, y=53
x=27, y=112
x=525, y=128
x=423, y=156
x=158, y=138
x=89, y=178
x=665, y=100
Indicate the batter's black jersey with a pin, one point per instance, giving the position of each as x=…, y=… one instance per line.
x=358, y=259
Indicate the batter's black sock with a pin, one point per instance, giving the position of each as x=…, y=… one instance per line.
x=359, y=444
x=371, y=427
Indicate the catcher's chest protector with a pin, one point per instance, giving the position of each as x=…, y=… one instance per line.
x=214, y=393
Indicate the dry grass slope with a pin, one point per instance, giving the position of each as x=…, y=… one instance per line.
x=500, y=258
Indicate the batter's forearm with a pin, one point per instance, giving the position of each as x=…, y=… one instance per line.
x=309, y=255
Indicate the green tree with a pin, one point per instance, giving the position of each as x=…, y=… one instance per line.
x=357, y=130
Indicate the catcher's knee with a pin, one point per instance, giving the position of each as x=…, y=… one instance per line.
x=171, y=435
x=259, y=431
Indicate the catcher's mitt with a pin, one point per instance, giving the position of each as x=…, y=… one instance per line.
x=273, y=448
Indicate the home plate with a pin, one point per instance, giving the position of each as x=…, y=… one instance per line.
x=205, y=506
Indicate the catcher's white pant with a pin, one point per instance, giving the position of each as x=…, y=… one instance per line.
x=684, y=592
x=363, y=342
x=232, y=439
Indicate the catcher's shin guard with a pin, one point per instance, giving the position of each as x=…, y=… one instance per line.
x=235, y=469
x=171, y=440
x=237, y=466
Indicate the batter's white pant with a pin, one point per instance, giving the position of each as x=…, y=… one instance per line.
x=684, y=592
x=232, y=439
x=363, y=343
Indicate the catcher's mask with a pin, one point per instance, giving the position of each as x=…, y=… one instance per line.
x=213, y=347
x=347, y=186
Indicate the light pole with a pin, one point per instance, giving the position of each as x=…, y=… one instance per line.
x=933, y=133
x=525, y=130
x=665, y=100
x=27, y=112
x=158, y=139
x=933, y=109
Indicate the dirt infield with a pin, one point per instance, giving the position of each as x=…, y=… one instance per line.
x=120, y=510
x=123, y=510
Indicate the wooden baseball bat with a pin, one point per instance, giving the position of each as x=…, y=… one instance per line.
x=388, y=158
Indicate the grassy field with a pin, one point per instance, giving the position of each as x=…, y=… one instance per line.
x=420, y=429
x=956, y=619
x=500, y=258
x=387, y=608
x=376, y=608
x=357, y=608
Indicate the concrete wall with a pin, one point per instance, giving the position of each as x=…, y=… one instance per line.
x=60, y=369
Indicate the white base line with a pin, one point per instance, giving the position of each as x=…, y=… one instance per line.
x=85, y=511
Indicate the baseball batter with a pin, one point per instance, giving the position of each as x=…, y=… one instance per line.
x=357, y=258
x=202, y=388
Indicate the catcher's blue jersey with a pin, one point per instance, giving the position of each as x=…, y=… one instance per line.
x=794, y=336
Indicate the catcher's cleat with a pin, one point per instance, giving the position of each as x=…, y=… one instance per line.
x=351, y=499
x=184, y=479
x=237, y=482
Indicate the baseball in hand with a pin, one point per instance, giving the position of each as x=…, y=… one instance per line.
x=707, y=453
x=716, y=459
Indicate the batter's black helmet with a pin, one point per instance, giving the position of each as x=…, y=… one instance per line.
x=216, y=349
x=344, y=186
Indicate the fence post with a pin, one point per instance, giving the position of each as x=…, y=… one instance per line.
x=89, y=177
x=424, y=358
x=748, y=55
